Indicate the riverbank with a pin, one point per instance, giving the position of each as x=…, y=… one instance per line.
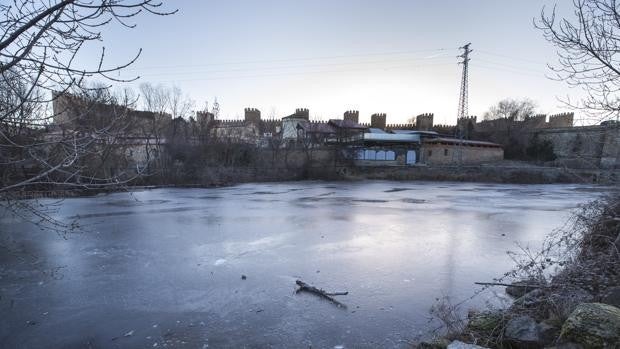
x=508, y=172
x=567, y=294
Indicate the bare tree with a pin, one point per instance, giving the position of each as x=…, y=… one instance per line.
x=516, y=110
x=588, y=49
x=180, y=105
x=155, y=98
x=39, y=43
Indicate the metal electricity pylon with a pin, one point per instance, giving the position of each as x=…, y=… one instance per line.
x=463, y=97
x=463, y=101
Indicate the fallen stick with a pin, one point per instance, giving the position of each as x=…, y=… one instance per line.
x=508, y=285
x=321, y=293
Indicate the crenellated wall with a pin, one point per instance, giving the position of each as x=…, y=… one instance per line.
x=534, y=122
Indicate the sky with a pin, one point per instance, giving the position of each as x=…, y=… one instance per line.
x=389, y=56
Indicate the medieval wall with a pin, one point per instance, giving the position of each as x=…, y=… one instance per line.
x=72, y=112
x=584, y=147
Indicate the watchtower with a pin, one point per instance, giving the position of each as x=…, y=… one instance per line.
x=353, y=115
x=424, y=122
x=252, y=115
x=378, y=120
x=302, y=113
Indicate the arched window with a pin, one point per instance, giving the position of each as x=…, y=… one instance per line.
x=380, y=155
x=390, y=155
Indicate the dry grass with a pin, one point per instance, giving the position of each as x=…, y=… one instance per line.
x=576, y=263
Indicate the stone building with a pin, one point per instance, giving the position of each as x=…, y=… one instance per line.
x=123, y=140
x=451, y=151
x=412, y=144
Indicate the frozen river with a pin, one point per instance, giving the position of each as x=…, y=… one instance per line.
x=164, y=267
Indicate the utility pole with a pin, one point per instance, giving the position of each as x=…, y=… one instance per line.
x=463, y=97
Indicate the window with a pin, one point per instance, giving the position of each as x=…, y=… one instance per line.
x=445, y=152
x=390, y=155
x=380, y=155
x=430, y=153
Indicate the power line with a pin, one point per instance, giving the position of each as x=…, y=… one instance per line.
x=295, y=66
x=290, y=59
x=514, y=71
x=510, y=66
x=304, y=73
x=511, y=57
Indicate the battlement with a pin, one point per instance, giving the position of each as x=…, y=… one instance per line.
x=303, y=113
x=204, y=117
x=378, y=120
x=252, y=115
x=561, y=120
x=444, y=126
x=353, y=115
x=407, y=126
x=444, y=129
x=230, y=122
x=468, y=118
x=424, y=122
x=535, y=122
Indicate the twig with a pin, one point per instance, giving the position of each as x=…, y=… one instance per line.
x=508, y=285
x=304, y=287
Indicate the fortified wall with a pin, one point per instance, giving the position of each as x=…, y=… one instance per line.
x=576, y=147
x=585, y=147
x=72, y=112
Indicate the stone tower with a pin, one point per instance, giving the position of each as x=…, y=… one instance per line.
x=352, y=115
x=252, y=115
x=561, y=120
x=424, y=122
x=378, y=120
x=302, y=113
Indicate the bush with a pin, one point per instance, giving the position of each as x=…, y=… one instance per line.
x=540, y=150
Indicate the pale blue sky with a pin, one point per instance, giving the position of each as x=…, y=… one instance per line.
x=396, y=57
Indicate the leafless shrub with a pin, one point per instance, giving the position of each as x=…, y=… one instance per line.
x=450, y=316
x=40, y=42
x=575, y=264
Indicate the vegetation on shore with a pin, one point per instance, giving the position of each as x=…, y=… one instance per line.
x=566, y=293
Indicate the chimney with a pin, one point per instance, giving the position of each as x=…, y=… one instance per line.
x=378, y=120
